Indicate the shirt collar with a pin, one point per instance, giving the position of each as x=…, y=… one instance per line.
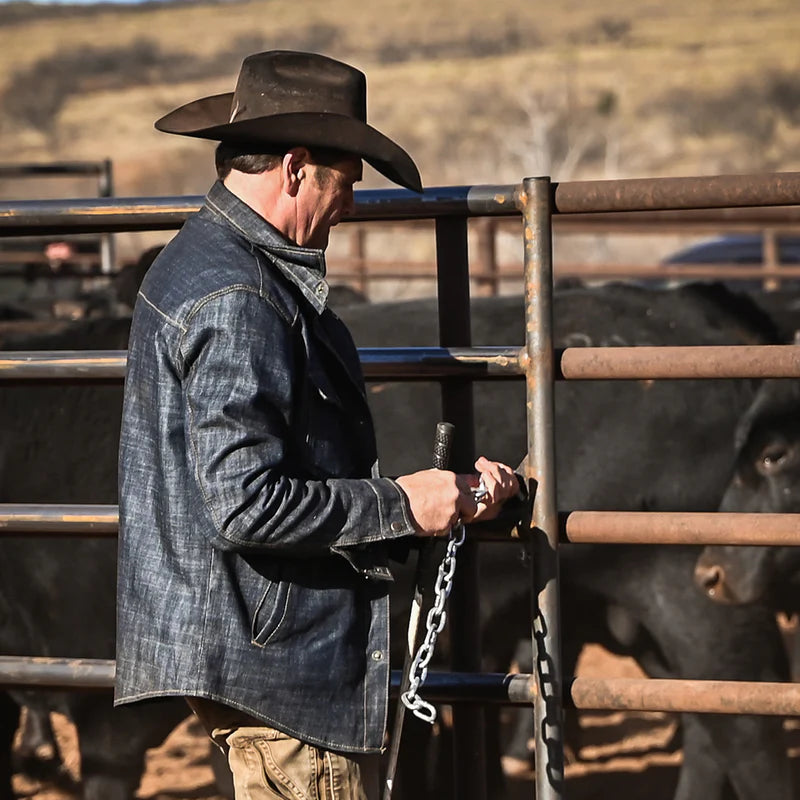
x=303, y=266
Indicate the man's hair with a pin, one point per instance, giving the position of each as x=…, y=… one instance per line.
x=242, y=158
x=253, y=160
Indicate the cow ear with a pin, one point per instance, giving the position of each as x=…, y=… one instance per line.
x=797, y=337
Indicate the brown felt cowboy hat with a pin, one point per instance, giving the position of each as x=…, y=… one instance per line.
x=286, y=98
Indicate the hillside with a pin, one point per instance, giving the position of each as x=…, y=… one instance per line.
x=641, y=89
x=479, y=93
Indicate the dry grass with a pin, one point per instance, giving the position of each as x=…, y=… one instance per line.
x=444, y=100
x=477, y=92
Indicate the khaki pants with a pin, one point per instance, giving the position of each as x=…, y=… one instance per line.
x=270, y=765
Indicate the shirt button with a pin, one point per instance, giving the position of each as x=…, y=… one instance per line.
x=397, y=526
x=320, y=288
x=377, y=655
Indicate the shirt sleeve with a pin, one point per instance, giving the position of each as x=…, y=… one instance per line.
x=238, y=368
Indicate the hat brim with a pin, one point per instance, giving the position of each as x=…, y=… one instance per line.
x=207, y=118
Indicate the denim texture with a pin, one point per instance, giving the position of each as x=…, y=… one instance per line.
x=254, y=528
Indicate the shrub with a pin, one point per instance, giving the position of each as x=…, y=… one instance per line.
x=750, y=109
x=34, y=96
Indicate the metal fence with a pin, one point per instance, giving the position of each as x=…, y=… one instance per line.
x=100, y=170
x=455, y=363
x=365, y=267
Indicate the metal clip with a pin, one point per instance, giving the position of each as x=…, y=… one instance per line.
x=480, y=492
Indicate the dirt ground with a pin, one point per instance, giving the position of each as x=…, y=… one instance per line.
x=626, y=753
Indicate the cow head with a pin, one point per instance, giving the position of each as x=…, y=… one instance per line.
x=766, y=479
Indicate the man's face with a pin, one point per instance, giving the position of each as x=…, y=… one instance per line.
x=325, y=197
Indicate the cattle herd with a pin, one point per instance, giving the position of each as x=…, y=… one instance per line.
x=629, y=446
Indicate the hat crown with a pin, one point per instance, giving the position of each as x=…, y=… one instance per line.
x=284, y=82
x=287, y=99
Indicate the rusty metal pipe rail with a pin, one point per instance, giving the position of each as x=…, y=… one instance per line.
x=59, y=519
x=476, y=363
x=578, y=527
x=54, y=168
x=625, y=694
x=39, y=672
x=590, y=694
x=700, y=528
x=743, y=218
x=73, y=365
x=694, y=362
x=577, y=197
x=665, y=194
x=510, y=272
x=656, y=272
x=412, y=363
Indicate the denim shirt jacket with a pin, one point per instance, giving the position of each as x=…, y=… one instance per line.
x=254, y=529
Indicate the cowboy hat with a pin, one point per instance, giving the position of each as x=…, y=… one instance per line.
x=287, y=98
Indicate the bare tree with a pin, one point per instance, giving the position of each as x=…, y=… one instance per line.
x=558, y=138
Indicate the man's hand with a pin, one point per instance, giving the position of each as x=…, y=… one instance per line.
x=439, y=499
x=501, y=484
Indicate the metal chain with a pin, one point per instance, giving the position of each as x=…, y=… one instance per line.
x=435, y=621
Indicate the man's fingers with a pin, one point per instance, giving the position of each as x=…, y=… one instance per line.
x=499, y=479
x=439, y=499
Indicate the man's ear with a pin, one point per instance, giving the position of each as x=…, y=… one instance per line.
x=293, y=169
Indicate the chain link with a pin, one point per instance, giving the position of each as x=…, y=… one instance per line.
x=435, y=621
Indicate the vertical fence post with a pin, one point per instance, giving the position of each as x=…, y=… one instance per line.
x=542, y=541
x=105, y=188
x=770, y=257
x=469, y=739
x=358, y=252
x=489, y=277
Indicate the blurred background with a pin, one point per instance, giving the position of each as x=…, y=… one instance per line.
x=477, y=92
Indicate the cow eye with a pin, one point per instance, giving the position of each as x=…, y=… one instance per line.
x=772, y=458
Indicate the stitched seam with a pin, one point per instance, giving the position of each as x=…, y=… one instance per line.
x=281, y=248
x=206, y=611
x=283, y=616
x=313, y=766
x=280, y=621
x=405, y=506
x=206, y=499
x=250, y=763
x=330, y=775
x=161, y=313
x=266, y=295
x=365, y=708
x=259, y=270
x=381, y=516
x=200, y=485
x=264, y=747
x=226, y=217
x=258, y=714
x=236, y=287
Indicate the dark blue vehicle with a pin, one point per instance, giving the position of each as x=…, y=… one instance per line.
x=739, y=249
x=744, y=249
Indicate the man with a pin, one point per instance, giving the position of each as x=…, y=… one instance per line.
x=254, y=529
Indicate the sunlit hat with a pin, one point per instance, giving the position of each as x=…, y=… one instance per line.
x=287, y=98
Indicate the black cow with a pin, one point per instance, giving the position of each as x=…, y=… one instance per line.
x=634, y=445
x=766, y=479
x=57, y=596
x=660, y=446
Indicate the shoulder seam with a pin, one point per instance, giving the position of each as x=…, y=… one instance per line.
x=158, y=311
x=237, y=287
